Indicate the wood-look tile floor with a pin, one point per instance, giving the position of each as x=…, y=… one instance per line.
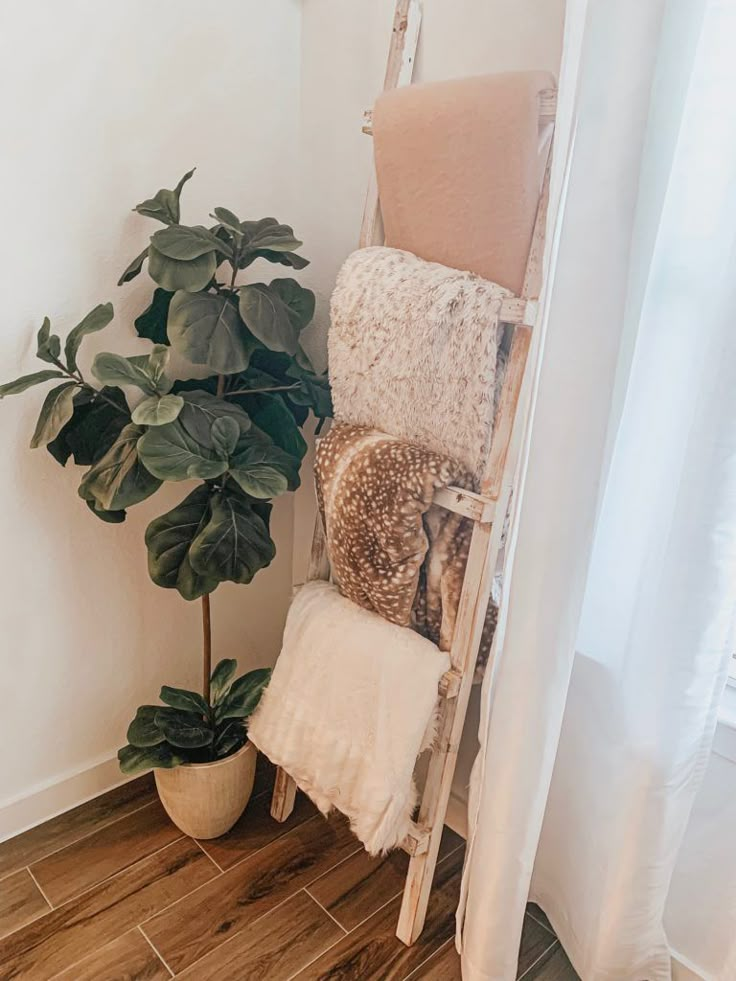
x=112, y=890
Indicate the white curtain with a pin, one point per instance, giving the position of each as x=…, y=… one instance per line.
x=623, y=542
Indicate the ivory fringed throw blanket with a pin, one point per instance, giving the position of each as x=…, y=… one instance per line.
x=350, y=706
x=391, y=550
x=413, y=349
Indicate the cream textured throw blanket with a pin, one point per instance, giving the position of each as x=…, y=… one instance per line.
x=350, y=706
x=413, y=349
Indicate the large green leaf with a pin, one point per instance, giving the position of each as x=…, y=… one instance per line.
x=267, y=369
x=170, y=453
x=206, y=328
x=93, y=427
x=292, y=259
x=225, y=435
x=158, y=360
x=143, y=730
x=235, y=542
x=185, y=734
x=184, y=700
x=179, y=274
x=271, y=415
x=228, y=220
x=300, y=301
x=155, y=411
x=221, y=677
x=244, y=695
x=262, y=470
x=186, y=242
x=133, y=759
x=186, y=448
x=151, y=324
x=114, y=369
x=267, y=239
x=145, y=372
x=168, y=539
x=28, y=381
x=268, y=233
x=288, y=464
x=276, y=313
x=314, y=391
x=48, y=345
x=164, y=205
x=109, y=517
x=56, y=411
x=119, y=479
x=229, y=737
x=95, y=320
x=134, y=267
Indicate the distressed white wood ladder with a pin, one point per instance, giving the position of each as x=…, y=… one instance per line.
x=487, y=509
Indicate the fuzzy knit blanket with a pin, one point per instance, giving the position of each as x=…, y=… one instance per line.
x=414, y=350
x=349, y=707
x=391, y=550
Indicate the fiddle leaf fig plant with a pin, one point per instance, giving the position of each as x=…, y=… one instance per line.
x=235, y=433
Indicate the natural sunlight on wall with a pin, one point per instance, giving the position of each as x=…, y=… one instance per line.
x=104, y=104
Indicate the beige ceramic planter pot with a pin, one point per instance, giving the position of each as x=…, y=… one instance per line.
x=205, y=800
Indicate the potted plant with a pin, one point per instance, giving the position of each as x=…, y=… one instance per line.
x=199, y=748
x=235, y=432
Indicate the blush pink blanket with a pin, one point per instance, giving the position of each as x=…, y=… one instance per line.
x=459, y=171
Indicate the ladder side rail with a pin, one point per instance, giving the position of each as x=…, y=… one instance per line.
x=476, y=592
x=399, y=70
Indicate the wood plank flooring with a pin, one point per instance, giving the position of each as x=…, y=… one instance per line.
x=112, y=891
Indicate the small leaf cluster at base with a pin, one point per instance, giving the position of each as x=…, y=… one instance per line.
x=186, y=729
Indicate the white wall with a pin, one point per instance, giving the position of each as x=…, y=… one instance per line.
x=103, y=103
x=344, y=52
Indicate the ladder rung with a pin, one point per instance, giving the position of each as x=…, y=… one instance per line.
x=450, y=682
x=416, y=841
x=547, y=105
x=465, y=502
x=517, y=310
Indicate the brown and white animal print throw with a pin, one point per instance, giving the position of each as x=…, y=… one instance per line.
x=391, y=550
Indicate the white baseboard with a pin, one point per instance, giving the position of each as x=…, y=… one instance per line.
x=457, y=815
x=56, y=796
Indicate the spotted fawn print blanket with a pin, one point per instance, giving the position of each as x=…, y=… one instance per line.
x=392, y=551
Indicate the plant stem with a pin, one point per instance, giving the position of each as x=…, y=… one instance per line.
x=257, y=391
x=76, y=376
x=206, y=647
x=99, y=395
x=206, y=617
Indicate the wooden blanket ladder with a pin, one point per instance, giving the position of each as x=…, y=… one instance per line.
x=487, y=509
